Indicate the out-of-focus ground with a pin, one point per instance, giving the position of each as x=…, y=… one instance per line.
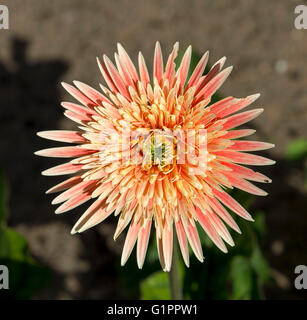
x=53, y=41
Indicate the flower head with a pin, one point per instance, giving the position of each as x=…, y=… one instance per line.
x=157, y=151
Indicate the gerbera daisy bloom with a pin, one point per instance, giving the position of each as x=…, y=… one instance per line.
x=135, y=159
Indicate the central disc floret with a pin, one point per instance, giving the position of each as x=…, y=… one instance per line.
x=158, y=150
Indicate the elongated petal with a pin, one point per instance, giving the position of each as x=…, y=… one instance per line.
x=106, y=75
x=194, y=241
x=127, y=62
x=211, y=232
x=64, y=152
x=244, y=145
x=95, y=219
x=90, y=92
x=246, y=173
x=222, y=213
x=78, y=95
x=198, y=71
x=241, y=118
x=124, y=73
x=142, y=244
x=62, y=169
x=170, y=65
x=184, y=66
x=235, y=134
x=92, y=210
x=116, y=78
x=244, y=158
x=66, y=184
x=81, y=110
x=239, y=105
x=158, y=63
x=167, y=243
x=62, y=136
x=232, y=204
x=81, y=187
x=73, y=202
x=160, y=251
x=244, y=185
x=214, y=84
x=183, y=243
x=130, y=241
x=143, y=71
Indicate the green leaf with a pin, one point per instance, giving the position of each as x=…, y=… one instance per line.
x=296, y=150
x=242, y=278
x=260, y=266
x=259, y=224
x=3, y=198
x=156, y=286
x=26, y=277
x=12, y=245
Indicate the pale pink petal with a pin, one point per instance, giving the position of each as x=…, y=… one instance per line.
x=167, y=243
x=194, y=241
x=66, y=184
x=76, y=108
x=198, y=71
x=106, y=75
x=143, y=71
x=142, y=244
x=223, y=213
x=241, y=118
x=239, y=105
x=127, y=62
x=99, y=216
x=123, y=71
x=232, y=204
x=169, y=73
x=210, y=231
x=78, y=95
x=81, y=119
x=90, y=92
x=158, y=63
x=116, y=78
x=235, y=134
x=214, y=84
x=81, y=187
x=62, y=169
x=74, y=202
x=246, y=173
x=204, y=80
x=64, y=152
x=244, y=158
x=131, y=238
x=244, y=185
x=183, y=69
x=95, y=207
x=183, y=243
x=244, y=145
x=219, y=226
x=62, y=136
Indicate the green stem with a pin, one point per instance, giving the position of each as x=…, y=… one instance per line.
x=174, y=276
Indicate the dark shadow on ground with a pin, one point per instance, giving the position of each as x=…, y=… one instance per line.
x=30, y=102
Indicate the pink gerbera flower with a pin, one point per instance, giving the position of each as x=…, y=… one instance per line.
x=135, y=157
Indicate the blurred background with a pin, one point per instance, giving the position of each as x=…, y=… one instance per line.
x=53, y=41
